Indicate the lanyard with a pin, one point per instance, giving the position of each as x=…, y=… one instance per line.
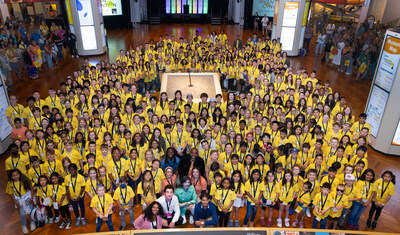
x=254, y=190
x=168, y=205
x=133, y=166
x=104, y=203
x=179, y=138
x=323, y=202
x=51, y=168
x=152, y=224
x=288, y=189
x=122, y=195
x=74, y=185
x=18, y=111
x=337, y=203
x=271, y=189
x=195, y=182
x=224, y=197
x=16, y=190
x=368, y=188
x=37, y=173
x=118, y=168
x=12, y=161
x=303, y=195
x=55, y=191
x=44, y=192
x=91, y=183
x=384, y=190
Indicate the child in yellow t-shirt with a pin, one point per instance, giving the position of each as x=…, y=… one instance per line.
x=270, y=198
x=254, y=191
x=124, y=196
x=102, y=205
x=225, y=198
x=286, y=195
x=75, y=186
x=340, y=201
x=322, y=204
x=303, y=200
x=60, y=202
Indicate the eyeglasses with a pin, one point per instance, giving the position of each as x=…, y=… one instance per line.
x=340, y=190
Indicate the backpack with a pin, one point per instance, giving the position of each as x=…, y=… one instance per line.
x=303, y=52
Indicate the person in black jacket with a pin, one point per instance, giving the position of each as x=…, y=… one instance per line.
x=71, y=42
x=188, y=162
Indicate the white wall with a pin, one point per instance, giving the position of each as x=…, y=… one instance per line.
x=391, y=11
x=377, y=8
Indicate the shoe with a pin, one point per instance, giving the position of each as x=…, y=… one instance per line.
x=369, y=223
x=72, y=56
x=279, y=223
x=230, y=225
x=301, y=225
x=77, y=56
x=133, y=226
x=33, y=227
x=78, y=222
x=295, y=223
x=308, y=213
x=341, y=227
x=356, y=227
x=184, y=220
x=46, y=221
x=290, y=211
x=191, y=220
x=374, y=224
x=69, y=224
x=83, y=221
x=121, y=228
x=237, y=225
x=63, y=224
x=51, y=220
x=57, y=219
x=269, y=223
x=25, y=229
x=287, y=222
x=348, y=73
x=262, y=221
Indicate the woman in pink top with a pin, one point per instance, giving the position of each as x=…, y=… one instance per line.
x=151, y=218
x=198, y=181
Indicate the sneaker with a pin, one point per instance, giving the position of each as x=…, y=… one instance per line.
x=287, y=222
x=191, y=221
x=301, y=225
x=348, y=73
x=83, y=221
x=262, y=221
x=46, y=221
x=308, y=213
x=295, y=223
x=350, y=226
x=33, y=227
x=184, y=220
x=51, y=220
x=121, y=228
x=230, y=224
x=373, y=226
x=72, y=56
x=25, y=229
x=269, y=223
x=356, y=227
x=133, y=226
x=369, y=223
x=341, y=227
x=57, y=219
x=237, y=224
x=77, y=56
x=63, y=224
x=69, y=224
x=78, y=222
x=279, y=223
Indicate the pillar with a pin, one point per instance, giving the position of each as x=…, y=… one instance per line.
x=86, y=21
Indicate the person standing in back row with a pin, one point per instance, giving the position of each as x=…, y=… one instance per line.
x=256, y=20
x=264, y=22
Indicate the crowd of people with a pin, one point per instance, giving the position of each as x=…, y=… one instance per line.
x=282, y=140
x=344, y=46
x=30, y=46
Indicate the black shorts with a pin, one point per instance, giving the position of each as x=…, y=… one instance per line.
x=334, y=218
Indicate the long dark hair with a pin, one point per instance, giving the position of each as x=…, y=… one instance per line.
x=391, y=175
x=26, y=182
x=362, y=177
x=240, y=180
x=148, y=214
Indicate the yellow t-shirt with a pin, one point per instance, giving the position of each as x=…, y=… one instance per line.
x=366, y=188
x=117, y=169
x=225, y=197
x=148, y=196
x=124, y=196
x=75, y=184
x=57, y=191
x=15, y=187
x=305, y=197
x=287, y=192
x=101, y=204
x=323, y=202
x=254, y=189
x=271, y=190
x=19, y=163
x=338, y=201
x=90, y=186
x=383, y=190
x=353, y=192
x=44, y=193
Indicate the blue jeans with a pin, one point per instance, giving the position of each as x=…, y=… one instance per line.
x=251, y=210
x=371, y=69
x=59, y=52
x=49, y=61
x=356, y=211
x=81, y=204
x=319, y=48
x=350, y=68
x=315, y=223
x=99, y=222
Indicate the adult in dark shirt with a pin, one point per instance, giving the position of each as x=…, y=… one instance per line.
x=71, y=42
x=256, y=20
x=188, y=162
x=59, y=43
x=205, y=212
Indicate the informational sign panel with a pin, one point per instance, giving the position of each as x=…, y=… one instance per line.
x=396, y=137
x=375, y=108
x=287, y=38
x=388, y=63
x=111, y=7
x=290, y=14
x=5, y=127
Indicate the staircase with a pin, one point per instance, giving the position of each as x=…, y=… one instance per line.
x=216, y=20
x=155, y=20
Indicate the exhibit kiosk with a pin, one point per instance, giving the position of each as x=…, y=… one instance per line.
x=383, y=105
x=290, y=21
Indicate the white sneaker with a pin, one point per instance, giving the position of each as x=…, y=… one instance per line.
x=46, y=221
x=77, y=56
x=287, y=222
x=308, y=212
x=69, y=224
x=33, y=227
x=51, y=220
x=184, y=220
x=191, y=221
x=57, y=219
x=279, y=222
x=25, y=229
x=72, y=56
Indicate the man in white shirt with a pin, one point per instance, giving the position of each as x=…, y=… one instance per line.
x=170, y=205
x=264, y=22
